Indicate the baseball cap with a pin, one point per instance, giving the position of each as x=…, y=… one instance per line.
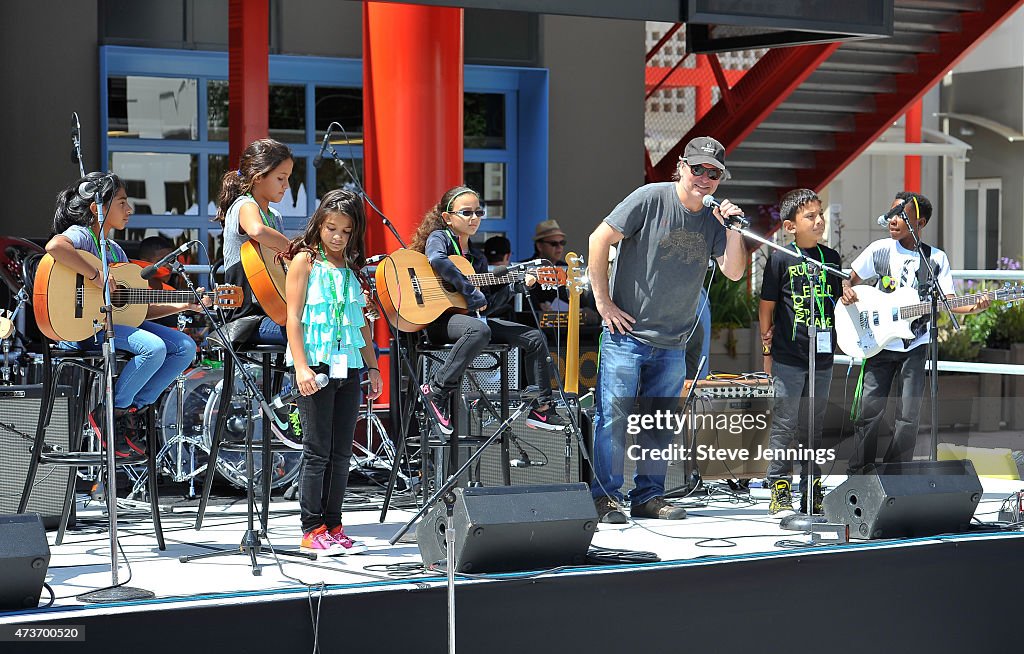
x=704, y=150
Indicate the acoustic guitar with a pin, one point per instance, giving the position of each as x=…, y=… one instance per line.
x=413, y=295
x=67, y=305
x=266, y=276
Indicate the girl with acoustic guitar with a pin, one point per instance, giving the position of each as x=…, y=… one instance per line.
x=445, y=231
x=327, y=335
x=160, y=353
x=245, y=211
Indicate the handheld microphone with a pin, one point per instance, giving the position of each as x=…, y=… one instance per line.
x=730, y=221
x=149, y=271
x=284, y=399
x=377, y=258
x=884, y=219
x=318, y=160
x=503, y=270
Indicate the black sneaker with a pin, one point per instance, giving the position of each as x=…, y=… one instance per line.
x=608, y=511
x=781, y=504
x=819, y=498
x=547, y=419
x=437, y=406
x=121, y=449
x=657, y=507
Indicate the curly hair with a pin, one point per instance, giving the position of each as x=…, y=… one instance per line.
x=259, y=159
x=434, y=221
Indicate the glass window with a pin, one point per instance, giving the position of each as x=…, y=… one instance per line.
x=331, y=175
x=991, y=227
x=971, y=229
x=341, y=105
x=287, y=113
x=489, y=180
x=294, y=201
x=217, y=110
x=152, y=108
x=484, y=118
x=159, y=183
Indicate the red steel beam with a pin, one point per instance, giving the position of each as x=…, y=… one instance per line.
x=755, y=96
x=910, y=87
x=248, y=74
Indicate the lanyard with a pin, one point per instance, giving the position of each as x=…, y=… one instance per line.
x=264, y=217
x=110, y=250
x=818, y=298
x=339, y=309
x=455, y=243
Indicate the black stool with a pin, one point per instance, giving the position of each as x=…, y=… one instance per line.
x=86, y=365
x=265, y=354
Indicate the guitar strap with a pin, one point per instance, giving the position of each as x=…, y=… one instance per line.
x=922, y=272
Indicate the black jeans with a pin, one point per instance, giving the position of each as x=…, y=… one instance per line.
x=789, y=415
x=470, y=336
x=879, y=372
x=328, y=426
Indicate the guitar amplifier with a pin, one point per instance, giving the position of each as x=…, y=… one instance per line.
x=19, y=411
x=484, y=368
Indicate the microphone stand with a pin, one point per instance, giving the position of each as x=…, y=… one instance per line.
x=116, y=592
x=814, y=270
x=250, y=544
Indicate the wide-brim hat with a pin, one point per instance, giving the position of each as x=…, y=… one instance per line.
x=546, y=229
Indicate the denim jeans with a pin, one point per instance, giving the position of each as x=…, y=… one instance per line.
x=879, y=372
x=159, y=355
x=789, y=414
x=654, y=377
x=328, y=426
x=269, y=333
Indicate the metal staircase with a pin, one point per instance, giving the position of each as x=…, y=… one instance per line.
x=801, y=114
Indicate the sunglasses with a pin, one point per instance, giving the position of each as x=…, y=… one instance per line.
x=712, y=172
x=469, y=213
x=555, y=244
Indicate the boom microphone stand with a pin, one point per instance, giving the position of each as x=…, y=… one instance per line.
x=814, y=269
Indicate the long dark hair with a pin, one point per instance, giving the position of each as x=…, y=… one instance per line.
x=73, y=208
x=334, y=202
x=434, y=221
x=261, y=157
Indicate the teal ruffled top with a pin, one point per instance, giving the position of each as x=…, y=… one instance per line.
x=322, y=334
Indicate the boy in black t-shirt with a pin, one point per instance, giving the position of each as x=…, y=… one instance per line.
x=786, y=309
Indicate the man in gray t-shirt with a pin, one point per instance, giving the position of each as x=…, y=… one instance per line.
x=665, y=237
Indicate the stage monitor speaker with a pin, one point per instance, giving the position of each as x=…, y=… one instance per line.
x=509, y=528
x=894, y=500
x=19, y=411
x=24, y=557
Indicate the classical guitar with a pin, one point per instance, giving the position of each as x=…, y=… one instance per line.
x=266, y=276
x=413, y=295
x=878, y=318
x=67, y=305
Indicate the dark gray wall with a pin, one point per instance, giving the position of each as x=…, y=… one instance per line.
x=596, y=118
x=49, y=70
x=994, y=94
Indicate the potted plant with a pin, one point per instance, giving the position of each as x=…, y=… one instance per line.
x=734, y=333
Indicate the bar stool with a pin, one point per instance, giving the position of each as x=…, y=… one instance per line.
x=271, y=381
x=498, y=353
x=86, y=366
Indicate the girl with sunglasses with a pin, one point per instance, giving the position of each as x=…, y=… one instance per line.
x=445, y=231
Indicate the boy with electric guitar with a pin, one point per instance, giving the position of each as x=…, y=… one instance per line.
x=884, y=320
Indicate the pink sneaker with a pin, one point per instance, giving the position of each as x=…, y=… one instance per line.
x=337, y=534
x=320, y=543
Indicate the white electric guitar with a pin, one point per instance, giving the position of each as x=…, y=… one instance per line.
x=878, y=318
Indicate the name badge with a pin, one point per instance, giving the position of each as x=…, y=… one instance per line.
x=824, y=342
x=339, y=366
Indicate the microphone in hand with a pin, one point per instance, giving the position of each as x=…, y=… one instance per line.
x=739, y=221
x=281, y=403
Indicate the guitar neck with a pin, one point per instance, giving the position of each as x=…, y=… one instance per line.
x=916, y=310
x=490, y=279
x=153, y=296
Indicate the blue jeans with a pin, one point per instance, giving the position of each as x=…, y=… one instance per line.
x=159, y=355
x=269, y=333
x=631, y=370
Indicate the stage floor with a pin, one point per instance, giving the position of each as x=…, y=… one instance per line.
x=720, y=526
